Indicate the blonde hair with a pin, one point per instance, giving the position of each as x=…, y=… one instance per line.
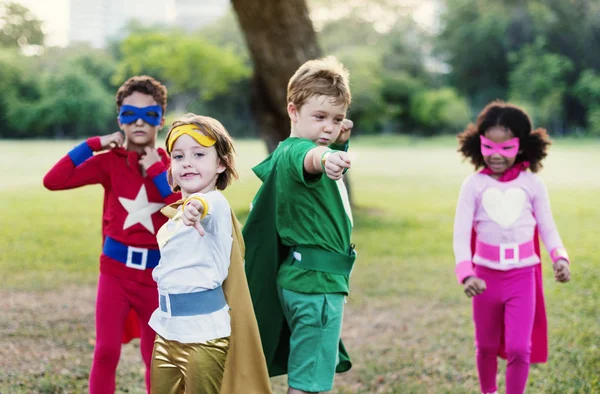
x=320, y=77
x=223, y=145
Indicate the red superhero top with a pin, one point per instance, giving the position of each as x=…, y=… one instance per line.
x=132, y=202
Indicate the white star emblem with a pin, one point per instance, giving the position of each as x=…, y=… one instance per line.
x=140, y=210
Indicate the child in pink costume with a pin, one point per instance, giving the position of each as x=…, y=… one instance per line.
x=500, y=212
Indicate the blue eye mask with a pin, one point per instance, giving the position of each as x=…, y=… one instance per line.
x=130, y=114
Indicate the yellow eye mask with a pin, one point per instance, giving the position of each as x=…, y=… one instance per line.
x=193, y=131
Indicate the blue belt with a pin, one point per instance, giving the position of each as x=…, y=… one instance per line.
x=191, y=304
x=132, y=257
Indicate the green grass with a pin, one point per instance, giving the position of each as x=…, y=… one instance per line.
x=408, y=326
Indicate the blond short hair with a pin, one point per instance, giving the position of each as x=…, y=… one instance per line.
x=224, y=146
x=320, y=77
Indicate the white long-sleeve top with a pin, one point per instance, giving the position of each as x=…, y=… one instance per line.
x=191, y=263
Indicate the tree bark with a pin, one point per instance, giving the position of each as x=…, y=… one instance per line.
x=280, y=37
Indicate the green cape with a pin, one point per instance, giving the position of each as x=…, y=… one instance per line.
x=264, y=254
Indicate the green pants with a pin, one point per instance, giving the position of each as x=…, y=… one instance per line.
x=315, y=322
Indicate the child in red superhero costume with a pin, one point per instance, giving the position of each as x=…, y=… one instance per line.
x=135, y=189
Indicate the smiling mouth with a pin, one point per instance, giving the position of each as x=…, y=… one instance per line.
x=189, y=175
x=497, y=165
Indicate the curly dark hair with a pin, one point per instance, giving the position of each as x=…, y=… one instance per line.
x=533, y=145
x=146, y=85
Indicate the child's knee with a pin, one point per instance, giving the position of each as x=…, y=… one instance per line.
x=488, y=351
x=107, y=354
x=518, y=354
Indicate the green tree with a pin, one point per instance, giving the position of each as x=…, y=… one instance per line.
x=439, y=111
x=541, y=78
x=19, y=84
x=192, y=67
x=20, y=27
x=474, y=43
x=386, y=66
x=70, y=103
x=98, y=63
x=398, y=90
x=478, y=37
x=368, y=110
x=587, y=90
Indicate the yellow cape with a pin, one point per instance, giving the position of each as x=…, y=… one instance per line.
x=246, y=367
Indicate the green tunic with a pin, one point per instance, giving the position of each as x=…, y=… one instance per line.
x=291, y=209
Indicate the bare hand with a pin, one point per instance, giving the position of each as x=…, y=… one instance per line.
x=474, y=286
x=191, y=215
x=114, y=140
x=345, y=132
x=562, y=273
x=336, y=163
x=150, y=157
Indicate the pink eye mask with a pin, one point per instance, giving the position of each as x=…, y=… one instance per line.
x=508, y=148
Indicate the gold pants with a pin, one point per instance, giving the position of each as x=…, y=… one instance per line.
x=190, y=368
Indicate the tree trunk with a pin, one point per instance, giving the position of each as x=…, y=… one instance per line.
x=281, y=37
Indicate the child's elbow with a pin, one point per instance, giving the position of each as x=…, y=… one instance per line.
x=50, y=183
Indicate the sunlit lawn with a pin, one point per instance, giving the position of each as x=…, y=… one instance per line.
x=407, y=326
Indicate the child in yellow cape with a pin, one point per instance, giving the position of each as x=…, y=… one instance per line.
x=207, y=336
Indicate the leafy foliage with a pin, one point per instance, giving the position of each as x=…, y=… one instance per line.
x=19, y=26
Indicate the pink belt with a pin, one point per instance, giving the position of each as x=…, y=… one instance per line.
x=508, y=253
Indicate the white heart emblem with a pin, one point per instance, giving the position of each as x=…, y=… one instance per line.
x=504, y=208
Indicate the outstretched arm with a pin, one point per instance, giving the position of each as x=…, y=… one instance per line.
x=324, y=160
x=334, y=163
x=199, y=209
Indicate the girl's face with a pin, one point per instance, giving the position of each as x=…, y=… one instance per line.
x=499, y=148
x=195, y=168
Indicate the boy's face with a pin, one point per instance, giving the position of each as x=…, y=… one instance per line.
x=139, y=132
x=319, y=119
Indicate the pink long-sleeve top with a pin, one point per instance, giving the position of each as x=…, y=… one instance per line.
x=503, y=213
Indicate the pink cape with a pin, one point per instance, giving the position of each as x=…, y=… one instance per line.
x=539, y=335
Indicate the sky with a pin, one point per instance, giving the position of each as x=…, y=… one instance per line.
x=55, y=17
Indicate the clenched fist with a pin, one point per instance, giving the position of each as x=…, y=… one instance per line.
x=474, y=286
x=345, y=132
x=114, y=140
x=335, y=164
x=192, y=212
x=150, y=157
x=562, y=273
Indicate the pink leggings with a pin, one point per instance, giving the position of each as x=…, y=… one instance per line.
x=116, y=297
x=506, y=307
